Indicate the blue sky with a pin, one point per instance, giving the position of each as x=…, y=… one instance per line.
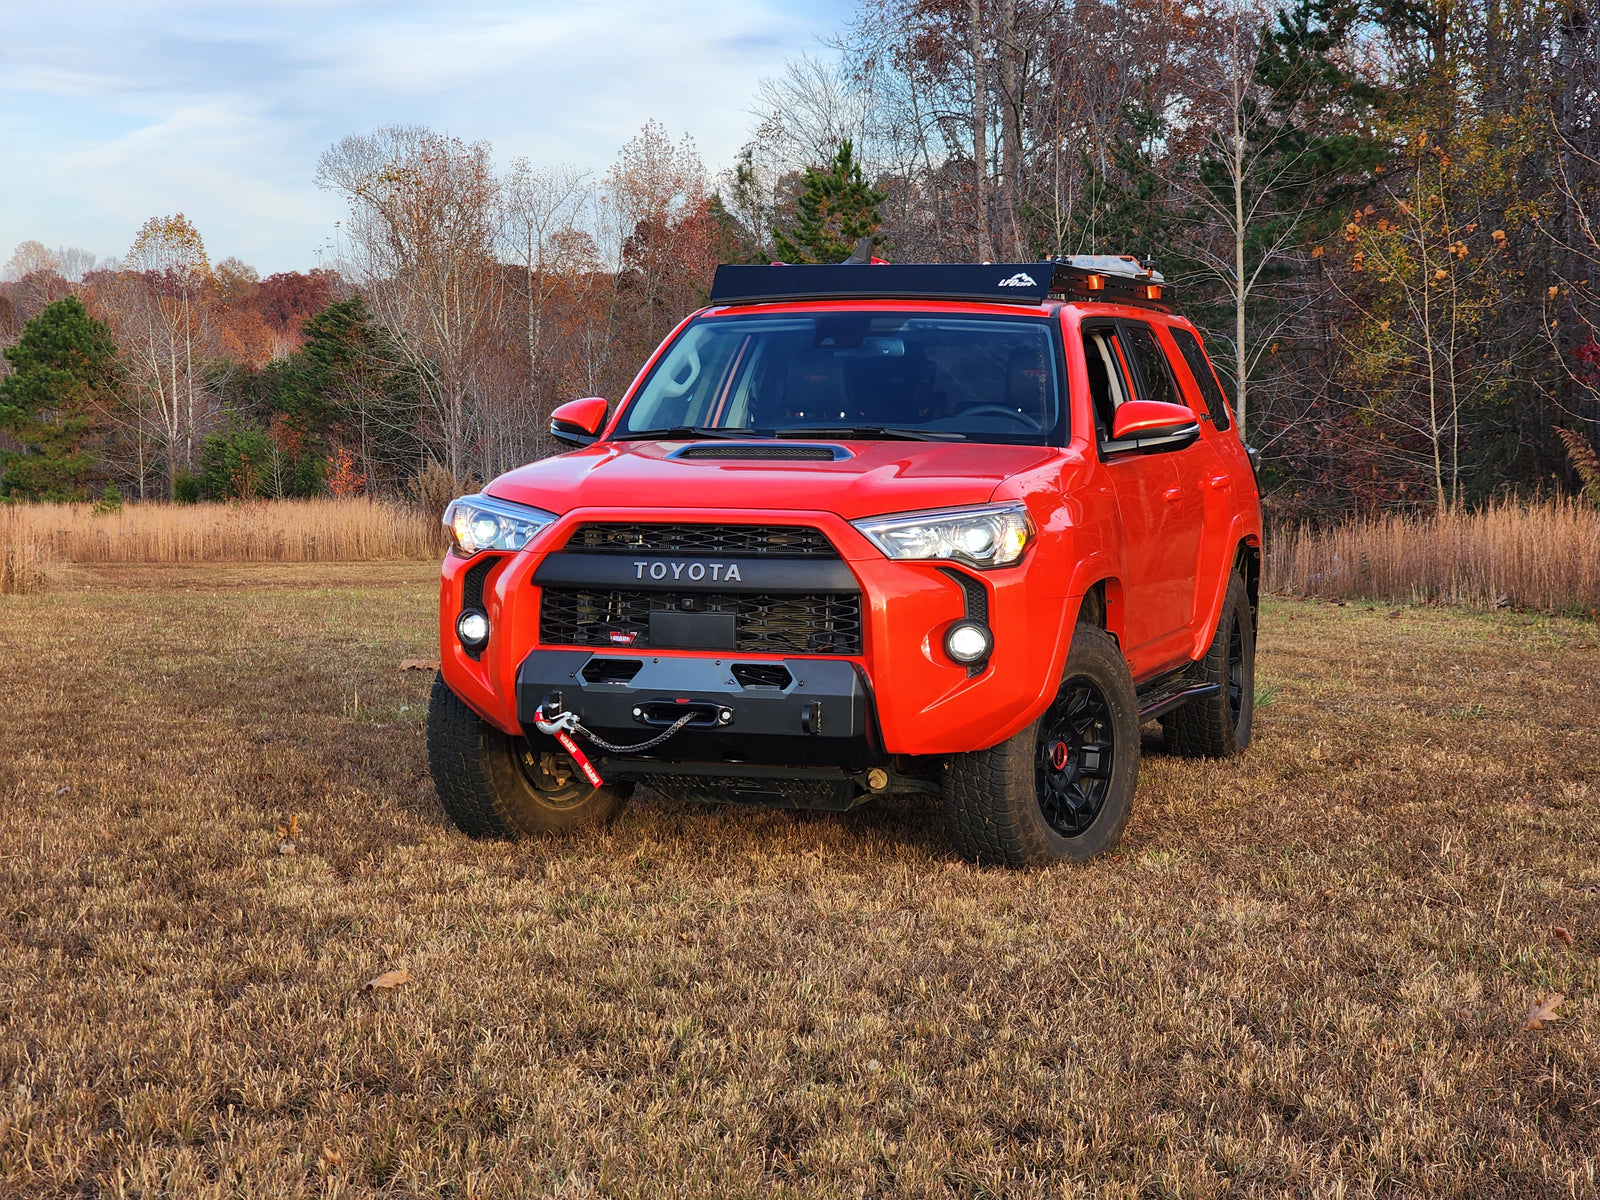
x=114, y=112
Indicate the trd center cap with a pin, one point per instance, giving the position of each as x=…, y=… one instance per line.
x=1058, y=756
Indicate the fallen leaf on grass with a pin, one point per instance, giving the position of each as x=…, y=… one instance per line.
x=389, y=979
x=1562, y=935
x=286, y=836
x=1396, y=613
x=331, y=1157
x=1541, y=1011
x=418, y=664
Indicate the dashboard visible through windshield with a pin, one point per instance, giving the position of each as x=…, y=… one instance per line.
x=913, y=375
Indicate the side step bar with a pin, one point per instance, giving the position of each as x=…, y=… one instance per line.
x=1154, y=706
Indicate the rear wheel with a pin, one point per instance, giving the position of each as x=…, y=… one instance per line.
x=1218, y=726
x=494, y=785
x=1062, y=789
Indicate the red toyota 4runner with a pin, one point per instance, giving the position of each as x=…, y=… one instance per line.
x=859, y=530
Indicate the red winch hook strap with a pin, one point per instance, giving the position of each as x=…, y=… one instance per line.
x=580, y=758
x=557, y=727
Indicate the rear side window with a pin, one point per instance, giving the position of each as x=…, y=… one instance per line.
x=1200, y=368
x=1152, y=365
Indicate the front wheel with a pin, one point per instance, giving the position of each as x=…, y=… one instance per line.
x=494, y=785
x=1062, y=789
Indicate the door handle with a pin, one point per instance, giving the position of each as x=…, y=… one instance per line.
x=1173, y=495
x=1219, y=482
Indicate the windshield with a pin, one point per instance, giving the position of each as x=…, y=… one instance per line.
x=972, y=378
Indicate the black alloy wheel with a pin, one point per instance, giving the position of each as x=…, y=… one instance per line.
x=1060, y=790
x=1235, y=670
x=1077, y=747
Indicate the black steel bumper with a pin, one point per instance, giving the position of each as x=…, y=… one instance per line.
x=799, y=711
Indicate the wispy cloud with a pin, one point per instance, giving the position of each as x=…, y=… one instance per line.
x=112, y=112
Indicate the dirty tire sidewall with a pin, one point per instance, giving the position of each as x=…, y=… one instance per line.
x=991, y=797
x=484, y=789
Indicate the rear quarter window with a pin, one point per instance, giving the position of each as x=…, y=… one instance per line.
x=1200, y=367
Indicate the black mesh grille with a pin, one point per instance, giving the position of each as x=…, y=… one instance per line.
x=804, y=453
x=975, y=594
x=472, y=582
x=771, y=541
x=817, y=624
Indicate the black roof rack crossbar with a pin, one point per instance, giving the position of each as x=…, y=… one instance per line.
x=993, y=283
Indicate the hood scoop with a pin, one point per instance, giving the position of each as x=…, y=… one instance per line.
x=762, y=452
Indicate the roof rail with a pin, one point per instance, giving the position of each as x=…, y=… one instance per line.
x=1110, y=278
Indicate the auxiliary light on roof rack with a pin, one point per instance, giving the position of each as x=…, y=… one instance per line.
x=1111, y=278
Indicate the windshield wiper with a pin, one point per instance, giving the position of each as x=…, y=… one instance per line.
x=870, y=431
x=678, y=432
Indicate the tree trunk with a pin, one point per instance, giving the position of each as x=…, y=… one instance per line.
x=1241, y=359
x=980, y=132
x=1011, y=129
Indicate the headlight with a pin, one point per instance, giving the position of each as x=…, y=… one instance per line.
x=477, y=523
x=993, y=536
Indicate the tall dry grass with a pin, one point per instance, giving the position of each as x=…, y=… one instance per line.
x=1539, y=556
x=324, y=530
x=24, y=561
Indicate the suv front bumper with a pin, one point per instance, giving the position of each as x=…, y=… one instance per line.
x=915, y=701
x=792, y=710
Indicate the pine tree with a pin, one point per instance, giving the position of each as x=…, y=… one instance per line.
x=63, y=378
x=836, y=209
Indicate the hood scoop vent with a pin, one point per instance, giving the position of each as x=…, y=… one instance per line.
x=762, y=452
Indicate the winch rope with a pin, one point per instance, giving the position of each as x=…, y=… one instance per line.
x=564, y=724
x=639, y=748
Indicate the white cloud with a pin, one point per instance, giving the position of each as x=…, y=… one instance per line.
x=110, y=113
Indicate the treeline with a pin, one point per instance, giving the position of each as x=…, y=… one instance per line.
x=466, y=302
x=1382, y=213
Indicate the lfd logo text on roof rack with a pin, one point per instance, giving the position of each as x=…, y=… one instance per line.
x=1020, y=279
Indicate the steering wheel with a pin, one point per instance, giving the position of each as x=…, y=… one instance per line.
x=1000, y=410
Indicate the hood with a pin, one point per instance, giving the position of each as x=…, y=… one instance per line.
x=868, y=477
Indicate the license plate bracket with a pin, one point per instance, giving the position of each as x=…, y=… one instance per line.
x=692, y=630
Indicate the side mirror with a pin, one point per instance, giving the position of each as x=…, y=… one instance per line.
x=1153, y=424
x=578, y=422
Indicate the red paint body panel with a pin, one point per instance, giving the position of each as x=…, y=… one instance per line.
x=1161, y=531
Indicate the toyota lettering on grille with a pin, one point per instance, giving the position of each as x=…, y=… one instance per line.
x=695, y=571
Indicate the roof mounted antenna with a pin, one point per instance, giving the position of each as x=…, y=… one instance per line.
x=862, y=255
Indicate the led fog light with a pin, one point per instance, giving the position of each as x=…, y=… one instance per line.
x=968, y=642
x=473, y=629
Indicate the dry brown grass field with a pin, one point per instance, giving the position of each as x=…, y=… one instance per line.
x=35, y=537
x=1543, y=556
x=1306, y=972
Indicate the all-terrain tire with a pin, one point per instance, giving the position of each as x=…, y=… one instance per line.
x=493, y=785
x=1003, y=805
x=1219, y=726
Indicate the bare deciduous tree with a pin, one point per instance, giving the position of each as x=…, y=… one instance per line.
x=419, y=243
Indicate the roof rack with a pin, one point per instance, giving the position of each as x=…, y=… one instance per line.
x=1111, y=278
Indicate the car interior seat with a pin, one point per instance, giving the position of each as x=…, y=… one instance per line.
x=1025, y=377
